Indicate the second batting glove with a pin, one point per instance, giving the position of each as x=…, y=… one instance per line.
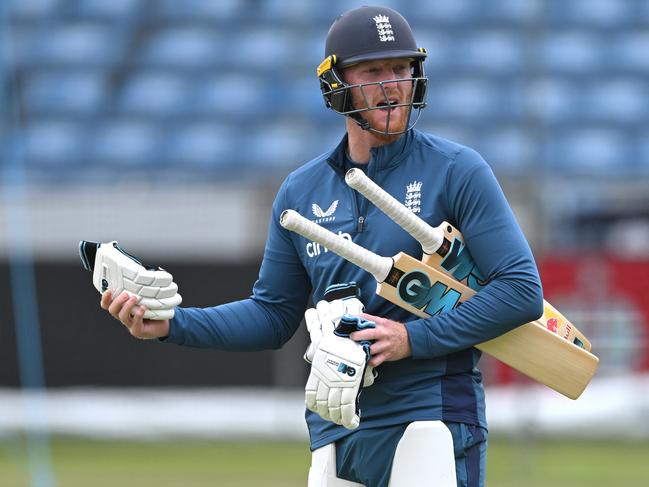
x=334, y=385
x=339, y=299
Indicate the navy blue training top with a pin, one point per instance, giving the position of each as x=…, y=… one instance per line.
x=440, y=181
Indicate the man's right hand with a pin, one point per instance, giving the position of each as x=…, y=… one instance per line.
x=125, y=309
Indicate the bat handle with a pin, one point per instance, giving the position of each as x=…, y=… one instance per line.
x=429, y=237
x=375, y=264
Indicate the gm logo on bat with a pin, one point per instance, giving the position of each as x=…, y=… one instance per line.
x=416, y=289
x=459, y=262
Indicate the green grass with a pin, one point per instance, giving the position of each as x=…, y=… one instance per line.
x=528, y=463
x=568, y=464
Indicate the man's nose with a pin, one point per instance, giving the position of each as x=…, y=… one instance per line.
x=391, y=85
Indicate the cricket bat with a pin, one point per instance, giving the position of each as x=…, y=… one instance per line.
x=424, y=291
x=443, y=248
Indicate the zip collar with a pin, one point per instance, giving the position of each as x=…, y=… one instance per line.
x=381, y=157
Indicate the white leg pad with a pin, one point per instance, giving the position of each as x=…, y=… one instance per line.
x=424, y=456
x=323, y=469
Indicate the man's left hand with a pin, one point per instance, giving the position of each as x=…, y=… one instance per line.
x=390, y=340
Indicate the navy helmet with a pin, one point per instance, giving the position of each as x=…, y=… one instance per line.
x=367, y=34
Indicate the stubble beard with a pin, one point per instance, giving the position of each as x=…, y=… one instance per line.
x=397, y=121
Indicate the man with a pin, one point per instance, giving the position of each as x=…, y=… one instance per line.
x=427, y=369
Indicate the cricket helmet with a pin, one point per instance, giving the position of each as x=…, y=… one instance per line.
x=368, y=34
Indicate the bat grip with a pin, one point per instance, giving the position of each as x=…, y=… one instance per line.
x=429, y=237
x=375, y=264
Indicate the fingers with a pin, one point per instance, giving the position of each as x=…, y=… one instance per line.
x=106, y=299
x=134, y=322
x=368, y=334
x=374, y=318
x=377, y=360
x=113, y=306
x=135, y=317
x=121, y=308
x=389, y=340
x=124, y=314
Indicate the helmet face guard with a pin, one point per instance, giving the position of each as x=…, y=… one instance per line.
x=369, y=34
x=338, y=96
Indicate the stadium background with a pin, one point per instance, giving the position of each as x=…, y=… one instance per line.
x=169, y=124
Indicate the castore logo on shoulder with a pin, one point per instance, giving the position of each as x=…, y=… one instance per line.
x=324, y=216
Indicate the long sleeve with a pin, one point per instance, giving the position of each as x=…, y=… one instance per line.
x=269, y=317
x=513, y=295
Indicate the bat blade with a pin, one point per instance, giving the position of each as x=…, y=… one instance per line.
x=443, y=248
x=424, y=291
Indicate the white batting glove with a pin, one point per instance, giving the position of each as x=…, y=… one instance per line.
x=321, y=320
x=339, y=299
x=113, y=269
x=336, y=378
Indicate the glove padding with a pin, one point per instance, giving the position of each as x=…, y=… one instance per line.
x=113, y=269
x=339, y=299
x=337, y=374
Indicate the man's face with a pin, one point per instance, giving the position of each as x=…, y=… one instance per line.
x=386, y=70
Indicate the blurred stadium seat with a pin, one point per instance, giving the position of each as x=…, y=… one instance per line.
x=513, y=10
x=281, y=144
x=438, y=52
x=205, y=145
x=592, y=151
x=597, y=13
x=641, y=158
x=54, y=143
x=510, y=149
x=123, y=143
x=75, y=43
x=475, y=101
x=65, y=92
x=629, y=51
x=180, y=71
x=232, y=96
x=573, y=52
x=493, y=52
x=32, y=9
x=448, y=12
x=305, y=96
x=554, y=100
x=264, y=48
x=115, y=10
x=182, y=47
x=154, y=94
x=619, y=100
x=294, y=11
x=199, y=10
